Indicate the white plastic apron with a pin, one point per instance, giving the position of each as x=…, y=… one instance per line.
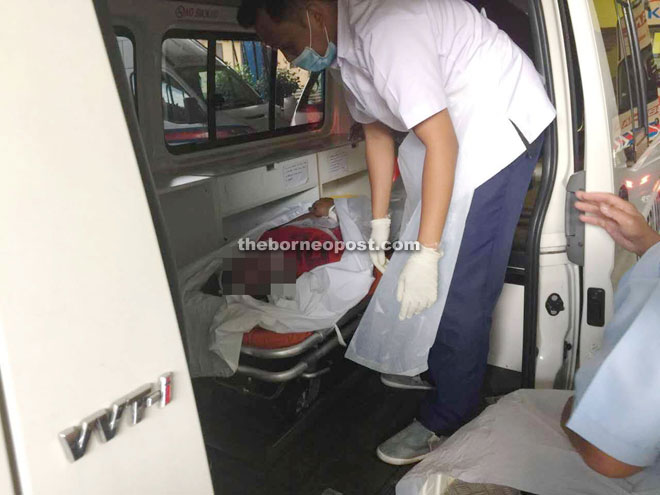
x=383, y=342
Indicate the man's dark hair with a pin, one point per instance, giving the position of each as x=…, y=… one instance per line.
x=276, y=9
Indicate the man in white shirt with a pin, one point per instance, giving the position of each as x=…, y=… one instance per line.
x=476, y=110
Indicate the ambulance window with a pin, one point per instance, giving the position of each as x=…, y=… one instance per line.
x=231, y=88
x=636, y=85
x=126, y=45
x=184, y=116
x=255, y=93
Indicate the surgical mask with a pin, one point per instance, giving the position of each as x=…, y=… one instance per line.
x=312, y=61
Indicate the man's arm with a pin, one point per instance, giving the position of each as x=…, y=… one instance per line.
x=595, y=458
x=437, y=134
x=380, y=164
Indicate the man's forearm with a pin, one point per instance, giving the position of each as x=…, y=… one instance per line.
x=437, y=134
x=579, y=443
x=437, y=187
x=654, y=238
x=380, y=164
x=595, y=458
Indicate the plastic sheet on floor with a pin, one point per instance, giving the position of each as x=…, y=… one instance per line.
x=519, y=443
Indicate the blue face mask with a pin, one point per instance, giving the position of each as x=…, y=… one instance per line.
x=312, y=61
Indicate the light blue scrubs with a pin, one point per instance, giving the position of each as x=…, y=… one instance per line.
x=617, y=399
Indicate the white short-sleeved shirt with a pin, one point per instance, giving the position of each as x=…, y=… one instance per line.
x=403, y=61
x=617, y=392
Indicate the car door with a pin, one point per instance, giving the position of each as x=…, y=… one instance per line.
x=89, y=340
x=594, y=249
x=6, y=474
x=620, y=153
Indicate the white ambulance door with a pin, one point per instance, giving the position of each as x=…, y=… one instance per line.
x=590, y=246
x=6, y=478
x=622, y=151
x=87, y=321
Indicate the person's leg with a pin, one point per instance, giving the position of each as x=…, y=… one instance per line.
x=457, y=360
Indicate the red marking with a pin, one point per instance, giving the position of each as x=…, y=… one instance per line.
x=168, y=391
x=397, y=172
x=197, y=135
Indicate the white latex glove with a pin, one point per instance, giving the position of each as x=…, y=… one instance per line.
x=380, y=234
x=418, y=282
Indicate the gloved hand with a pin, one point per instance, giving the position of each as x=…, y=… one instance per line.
x=380, y=234
x=418, y=282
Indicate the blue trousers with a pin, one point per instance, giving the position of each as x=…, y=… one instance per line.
x=457, y=360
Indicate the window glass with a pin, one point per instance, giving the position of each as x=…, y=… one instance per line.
x=256, y=93
x=127, y=52
x=184, y=116
x=303, y=89
x=653, y=62
x=636, y=84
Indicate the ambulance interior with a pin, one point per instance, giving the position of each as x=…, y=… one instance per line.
x=283, y=412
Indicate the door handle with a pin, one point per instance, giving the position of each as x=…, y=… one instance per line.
x=573, y=225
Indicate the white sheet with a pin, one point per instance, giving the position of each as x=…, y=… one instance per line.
x=519, y=443
x=322, y=295
x=199, y=308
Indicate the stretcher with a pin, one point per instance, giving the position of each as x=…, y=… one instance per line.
x=255, y=353
x=309, y=347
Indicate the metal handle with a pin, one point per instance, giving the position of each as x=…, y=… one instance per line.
x=574, y=227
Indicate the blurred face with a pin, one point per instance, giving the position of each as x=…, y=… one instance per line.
x=321, y=207
x=291, y=36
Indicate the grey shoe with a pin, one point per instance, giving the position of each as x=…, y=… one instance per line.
x=410, y=445
x=406, y=382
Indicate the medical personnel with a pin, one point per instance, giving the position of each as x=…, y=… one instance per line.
x=476, y=109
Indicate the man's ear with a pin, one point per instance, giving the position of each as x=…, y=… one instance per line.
x=300, y=15
x=318, y=10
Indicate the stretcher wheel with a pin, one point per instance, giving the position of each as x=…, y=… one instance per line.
x=299, y=396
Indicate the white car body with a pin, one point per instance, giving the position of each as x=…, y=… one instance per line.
x=86, y=312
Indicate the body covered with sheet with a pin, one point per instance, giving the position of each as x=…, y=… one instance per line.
x=322, y=295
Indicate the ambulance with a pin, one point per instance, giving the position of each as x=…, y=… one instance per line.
x=139, y=139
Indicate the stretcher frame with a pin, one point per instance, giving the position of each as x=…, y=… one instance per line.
x=310, y=351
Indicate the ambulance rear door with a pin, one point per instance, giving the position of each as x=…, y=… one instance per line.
x=96, y=386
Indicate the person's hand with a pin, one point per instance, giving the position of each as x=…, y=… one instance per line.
x=418, y=282
x=619, y=218
x=380, y=234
